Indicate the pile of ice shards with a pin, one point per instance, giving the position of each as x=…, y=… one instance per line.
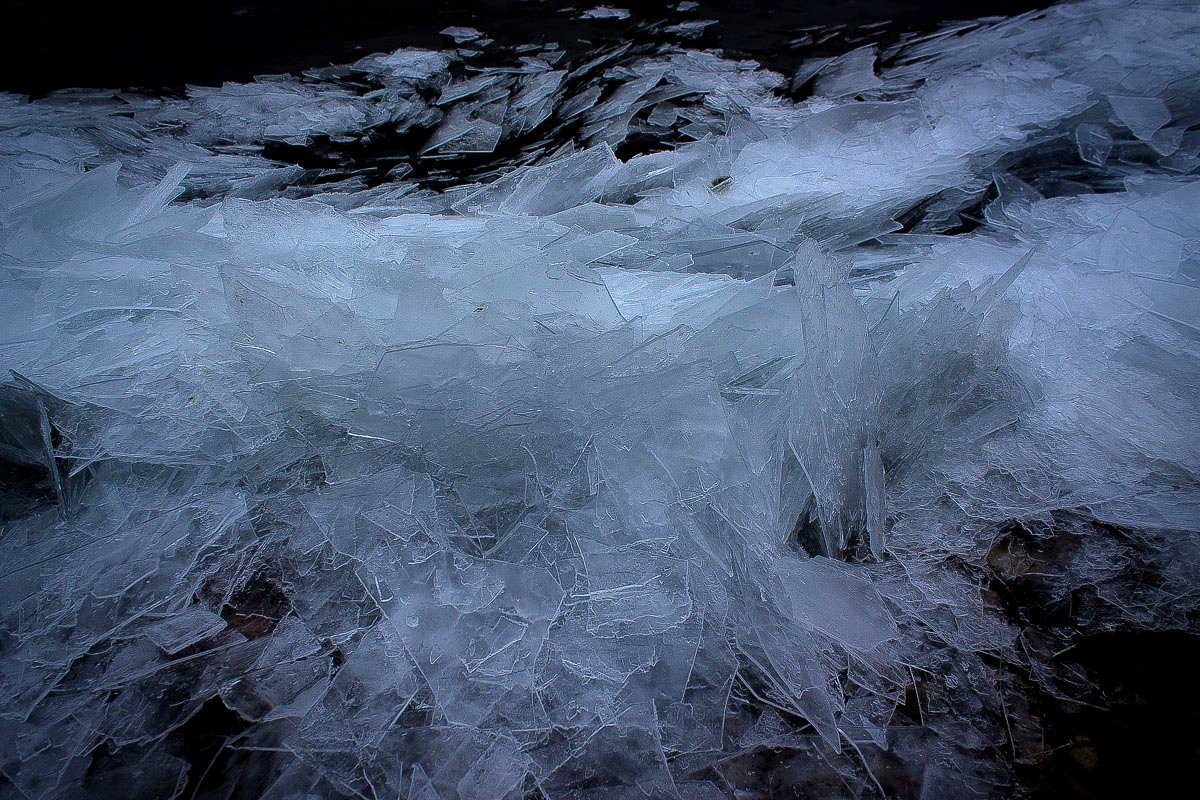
x=585, y=479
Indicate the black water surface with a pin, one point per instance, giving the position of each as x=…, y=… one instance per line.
x=52, y=45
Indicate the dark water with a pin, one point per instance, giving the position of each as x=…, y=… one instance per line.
x=46, y=46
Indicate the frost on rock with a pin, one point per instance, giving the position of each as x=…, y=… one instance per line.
x=595, y=476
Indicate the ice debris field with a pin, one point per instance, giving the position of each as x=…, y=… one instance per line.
x=586, y=477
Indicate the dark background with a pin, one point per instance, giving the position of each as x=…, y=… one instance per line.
x=46, y=45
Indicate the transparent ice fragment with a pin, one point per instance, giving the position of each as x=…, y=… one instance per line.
x=184, y=629
x=605, y=12
x=1142, y=115
x=634, y=593
x=461, y=34
x=468, y=129
x=1133, y=244
x=370, y=690
x=849, y=74
x=1094, y=143
x=690, y=29
x=1166, y=141
x=555, y=186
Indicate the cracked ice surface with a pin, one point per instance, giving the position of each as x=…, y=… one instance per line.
x=583, y=478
